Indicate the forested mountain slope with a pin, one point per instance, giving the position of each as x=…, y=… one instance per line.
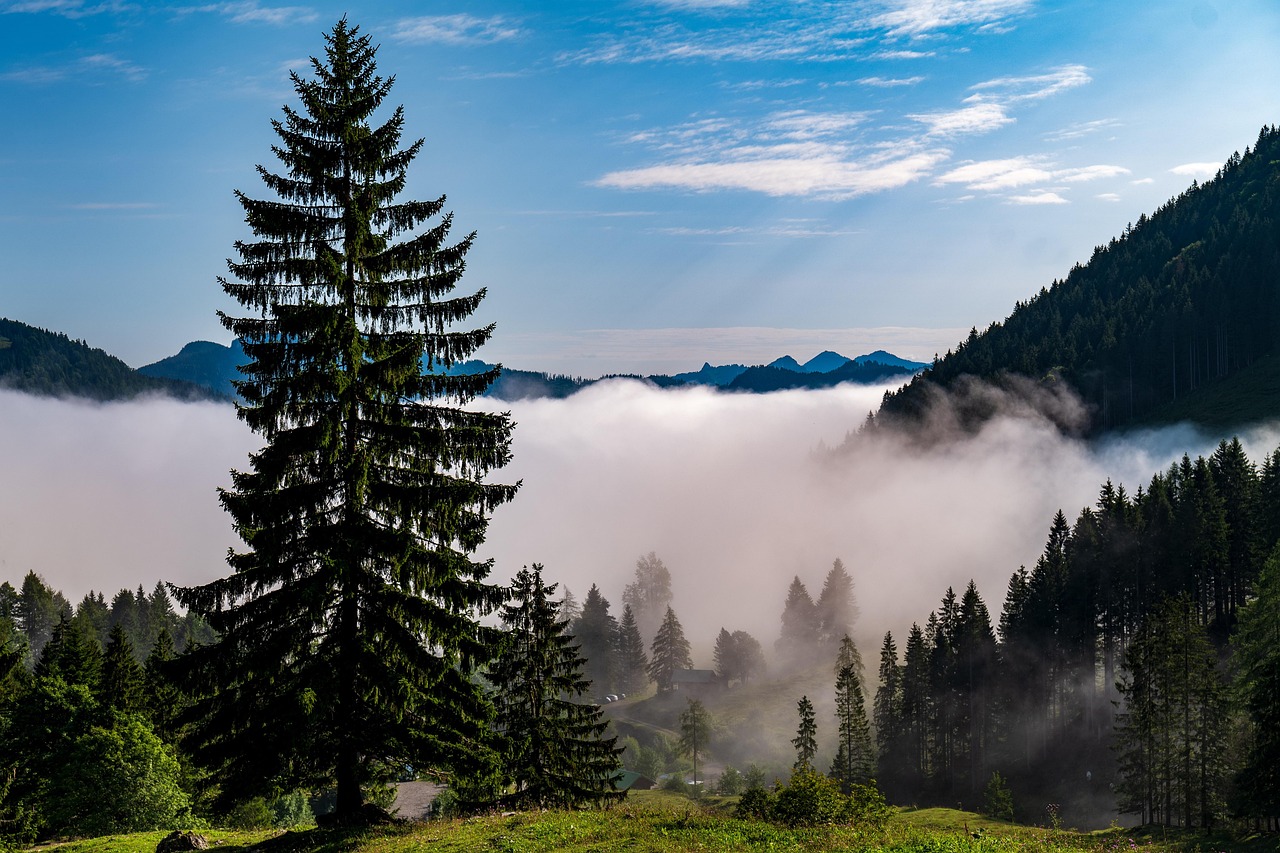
x=42, y=362
x=1184, y=298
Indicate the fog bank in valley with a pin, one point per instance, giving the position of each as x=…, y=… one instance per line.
x=732, y=491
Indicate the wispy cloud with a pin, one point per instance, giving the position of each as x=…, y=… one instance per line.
x=791, y=228
x=1045, y=197
x=1000, y=176
x=252, y=12
x=975, y=118
x=1197, y=170
x=1035, y=87
x=787, y=153
x=459, y=29
x=1081, y=130
x=64, y=8
x=890, y=82
x=785, y=170
x=94, y=67
x=917, y=17
x=114, y=205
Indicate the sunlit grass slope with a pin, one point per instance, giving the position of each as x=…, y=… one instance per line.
x=659, y=822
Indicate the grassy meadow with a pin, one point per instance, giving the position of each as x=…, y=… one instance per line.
x=660, y=821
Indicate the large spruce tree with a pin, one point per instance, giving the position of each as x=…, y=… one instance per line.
x=555, y=753
x=350, y=622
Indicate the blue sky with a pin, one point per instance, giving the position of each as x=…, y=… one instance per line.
x=654, y=182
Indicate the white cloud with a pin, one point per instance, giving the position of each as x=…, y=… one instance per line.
x=917, y=17
x=252, y=12
x=1038, y=198
x=1107, y=196
x=93, y=67
x=1090, y=173
x=902, y=54
x=1035, y=87
x=1083, y=129
x=783, y=170
x=1197, y=170
x=998, y=175
x=976, y=118
x=890, y=82
x=459, y=29
x=995, y=175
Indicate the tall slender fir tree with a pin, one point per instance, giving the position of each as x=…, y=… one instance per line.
x=349, y=625
x=554, y=750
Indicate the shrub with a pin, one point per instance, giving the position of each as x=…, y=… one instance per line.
x=755, y=804
x=809, y=799
x=252, y=814
x=730, y=782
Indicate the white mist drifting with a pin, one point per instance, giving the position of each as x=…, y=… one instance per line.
x=727, y=489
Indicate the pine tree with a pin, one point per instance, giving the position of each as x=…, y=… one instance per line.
x=738, y=657
x=71, y=654
x=554, y=751
x=632, y=661
x=597, y=634
x=806, y=739
x=121, y=686
x=836, y=608
x=695, y=732
x=887, y=715
x=799, y=624
x=1258, y=682
x=669, y=652
x=649, y=594
x=854, y=762
x=161, y=697
x=350, y=623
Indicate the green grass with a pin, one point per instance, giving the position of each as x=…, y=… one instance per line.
x=660, y=822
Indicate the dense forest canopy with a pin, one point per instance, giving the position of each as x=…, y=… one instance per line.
x=1185, y=297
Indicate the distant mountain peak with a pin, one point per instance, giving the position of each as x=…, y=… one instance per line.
x=786, y=363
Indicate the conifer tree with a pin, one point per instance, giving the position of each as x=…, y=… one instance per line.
x=649, y=594
x=597, y=634
x=854, y=762
x=799, y=623
x=1258, y=647
x=695, y=732
x=887, y=714
x=632, y=661
x=554, y=751
x=669, y=652
x=836, y=608
x=349, y=626
x=806, y=739
x=161, y=697
x=71, y=655
x=121, y=686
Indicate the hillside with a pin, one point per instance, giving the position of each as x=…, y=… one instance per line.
x=204, y=363
x=37, y=361
x=1185, y=299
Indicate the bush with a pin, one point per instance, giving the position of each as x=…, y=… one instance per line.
x=251, y=814
x=290, y=810
x=809, y=799
x=730, y=782
x=755, y=804
x=867, y=807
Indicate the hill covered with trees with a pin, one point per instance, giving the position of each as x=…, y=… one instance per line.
x=37, y=361
x=1182, y=300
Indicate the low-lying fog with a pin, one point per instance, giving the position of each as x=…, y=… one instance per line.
x=727, y=489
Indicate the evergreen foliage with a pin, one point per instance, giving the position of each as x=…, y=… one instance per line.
x=554, y=751
x=598, y=638
x=695, y=733
x=632, y=661
x=669, y=652
x=348, y=628
x=806, y=739
x=738, y=657
x=800, y=625
x=649, y=594
x=1258, y=650
x=836, y=607
x=37, y=361
x=1183, y=298
x=854, y=763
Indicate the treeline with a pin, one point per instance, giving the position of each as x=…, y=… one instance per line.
x=1109, y=673
x=37, y=361
x=1185, y=296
